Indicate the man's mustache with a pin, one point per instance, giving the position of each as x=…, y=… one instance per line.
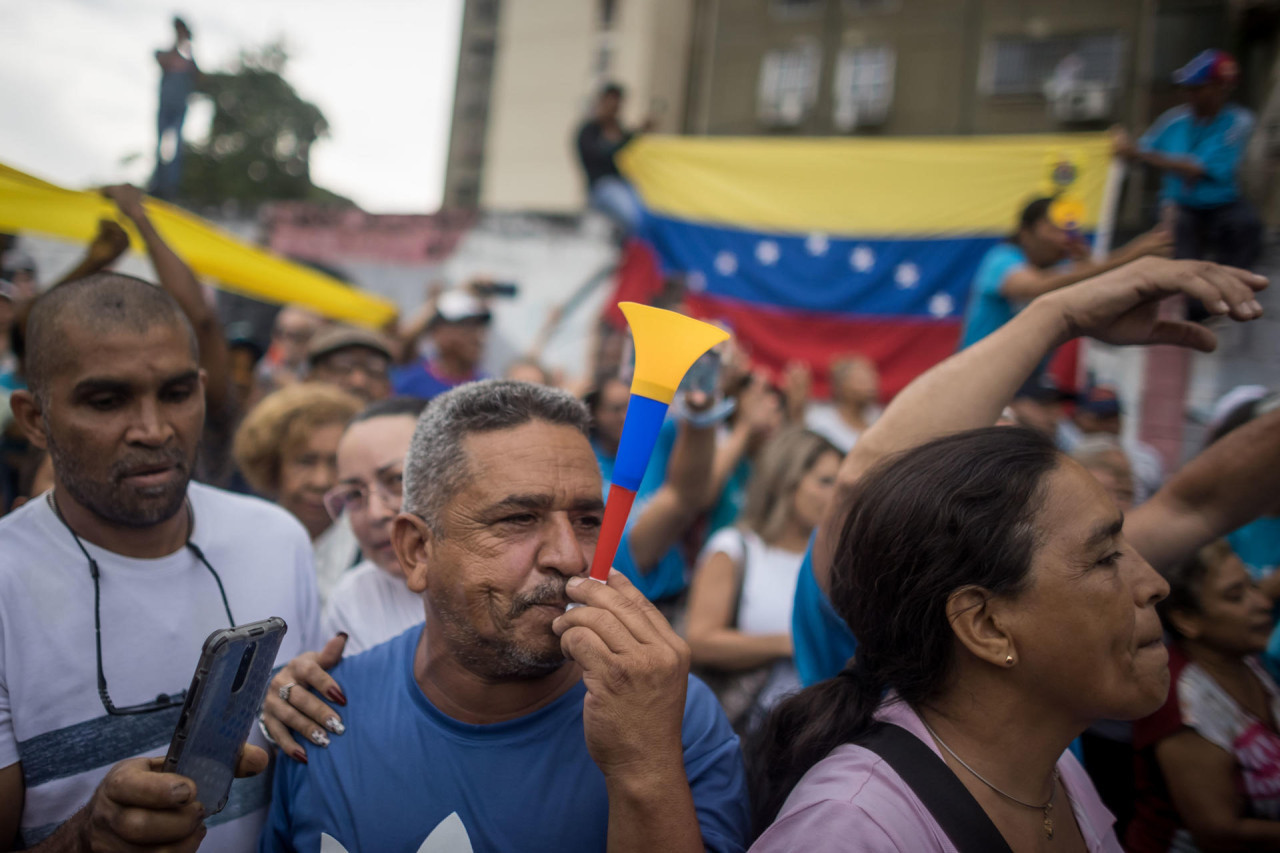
x=549, y=593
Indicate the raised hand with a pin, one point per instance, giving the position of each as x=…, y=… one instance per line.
x=1122, y=306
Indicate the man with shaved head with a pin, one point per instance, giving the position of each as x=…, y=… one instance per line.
x=110, y=582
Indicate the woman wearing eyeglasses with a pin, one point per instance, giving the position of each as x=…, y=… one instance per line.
x=371, y=603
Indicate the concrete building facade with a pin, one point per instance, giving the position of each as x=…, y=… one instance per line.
x=548, y=60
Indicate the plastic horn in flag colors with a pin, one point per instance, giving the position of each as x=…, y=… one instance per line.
x=666, y=346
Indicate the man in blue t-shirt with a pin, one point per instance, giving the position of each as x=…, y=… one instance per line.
x=1042, y=255
x=459, y=329
x=1198, y=147
x=507, y=722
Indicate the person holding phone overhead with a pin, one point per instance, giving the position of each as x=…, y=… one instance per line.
x=110, y=583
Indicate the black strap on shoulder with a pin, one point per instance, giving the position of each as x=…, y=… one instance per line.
x=944, y=795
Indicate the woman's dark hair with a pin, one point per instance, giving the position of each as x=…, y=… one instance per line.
x=1186, y=583
x=952, y=513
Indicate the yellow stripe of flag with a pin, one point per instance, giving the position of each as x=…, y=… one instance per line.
x=900, y=187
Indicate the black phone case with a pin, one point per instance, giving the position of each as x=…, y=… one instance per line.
x=225, y=694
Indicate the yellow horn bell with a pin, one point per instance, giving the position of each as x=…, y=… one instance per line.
x=667, y=344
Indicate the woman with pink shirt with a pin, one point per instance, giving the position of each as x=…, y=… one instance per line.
x=999, y=611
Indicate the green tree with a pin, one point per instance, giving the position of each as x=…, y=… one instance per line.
x=260, y=138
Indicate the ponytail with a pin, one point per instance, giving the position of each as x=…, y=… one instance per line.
x=801, y=731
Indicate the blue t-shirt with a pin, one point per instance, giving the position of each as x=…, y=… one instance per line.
x=420, y=380
x=1257, y=544
x=822, y=642
x=1217, y=145
x=406, y=778
x=989, y=309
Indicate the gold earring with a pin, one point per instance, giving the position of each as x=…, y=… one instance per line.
x=1008, y=661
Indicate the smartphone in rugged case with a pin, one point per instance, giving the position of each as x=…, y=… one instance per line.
x=223, y=700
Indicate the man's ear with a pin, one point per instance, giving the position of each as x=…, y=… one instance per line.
x=413, y=540
x=28, y=414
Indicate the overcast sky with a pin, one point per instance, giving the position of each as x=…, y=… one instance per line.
x=81, y=86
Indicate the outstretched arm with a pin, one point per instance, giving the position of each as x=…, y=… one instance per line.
x=970, y=388
x=1228, y=485
x=1030, y=282
x=676, y=504
x=180, y=282
x=107, y=245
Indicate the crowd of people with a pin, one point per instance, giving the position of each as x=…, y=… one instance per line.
x=974, y=617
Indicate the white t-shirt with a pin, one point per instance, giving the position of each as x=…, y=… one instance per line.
x=335, y=552
x=372, y=606
x=769, y=578
x=825, y=420
x=156, y=615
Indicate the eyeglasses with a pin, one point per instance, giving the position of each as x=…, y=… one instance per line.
x=388, y=482
x=345, y=365
x=164, y=700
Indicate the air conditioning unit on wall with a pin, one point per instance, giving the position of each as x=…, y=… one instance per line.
x=1082, y=102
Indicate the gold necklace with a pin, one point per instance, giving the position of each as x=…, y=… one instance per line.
x=1047, y=808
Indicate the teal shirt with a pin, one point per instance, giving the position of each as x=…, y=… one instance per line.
x=1217, y=144
x=988, y=308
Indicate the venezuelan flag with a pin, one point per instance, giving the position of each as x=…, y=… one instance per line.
x=812, y=248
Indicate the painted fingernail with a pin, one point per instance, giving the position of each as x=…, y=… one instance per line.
x=335, y=725
x=336, y=694
x=319, y=738
x=181, y=792
x=300, y=754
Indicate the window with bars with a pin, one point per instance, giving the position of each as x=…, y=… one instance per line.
x=1017, y=65
x=863, y=88
x=870, y=7
x=792, y=9
x=788, y=84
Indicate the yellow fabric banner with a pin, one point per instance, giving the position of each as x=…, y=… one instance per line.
x=30, y=204
x=892, y=187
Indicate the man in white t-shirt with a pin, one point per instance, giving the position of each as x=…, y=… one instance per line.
x=125, y=543
x=371, y=603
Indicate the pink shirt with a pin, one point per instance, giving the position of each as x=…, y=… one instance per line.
x=853, y=802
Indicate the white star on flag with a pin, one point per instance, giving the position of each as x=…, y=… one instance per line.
x=816, y=244
x=941, y=305
x=767, y=252
x=907, y=275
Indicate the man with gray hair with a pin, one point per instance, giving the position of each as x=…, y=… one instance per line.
x=509, y=721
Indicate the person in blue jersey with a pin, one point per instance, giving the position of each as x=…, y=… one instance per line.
x=1198, y=148
x=508, y=722
x=459, y=330
x=1039, y=257
x=1221, y=489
